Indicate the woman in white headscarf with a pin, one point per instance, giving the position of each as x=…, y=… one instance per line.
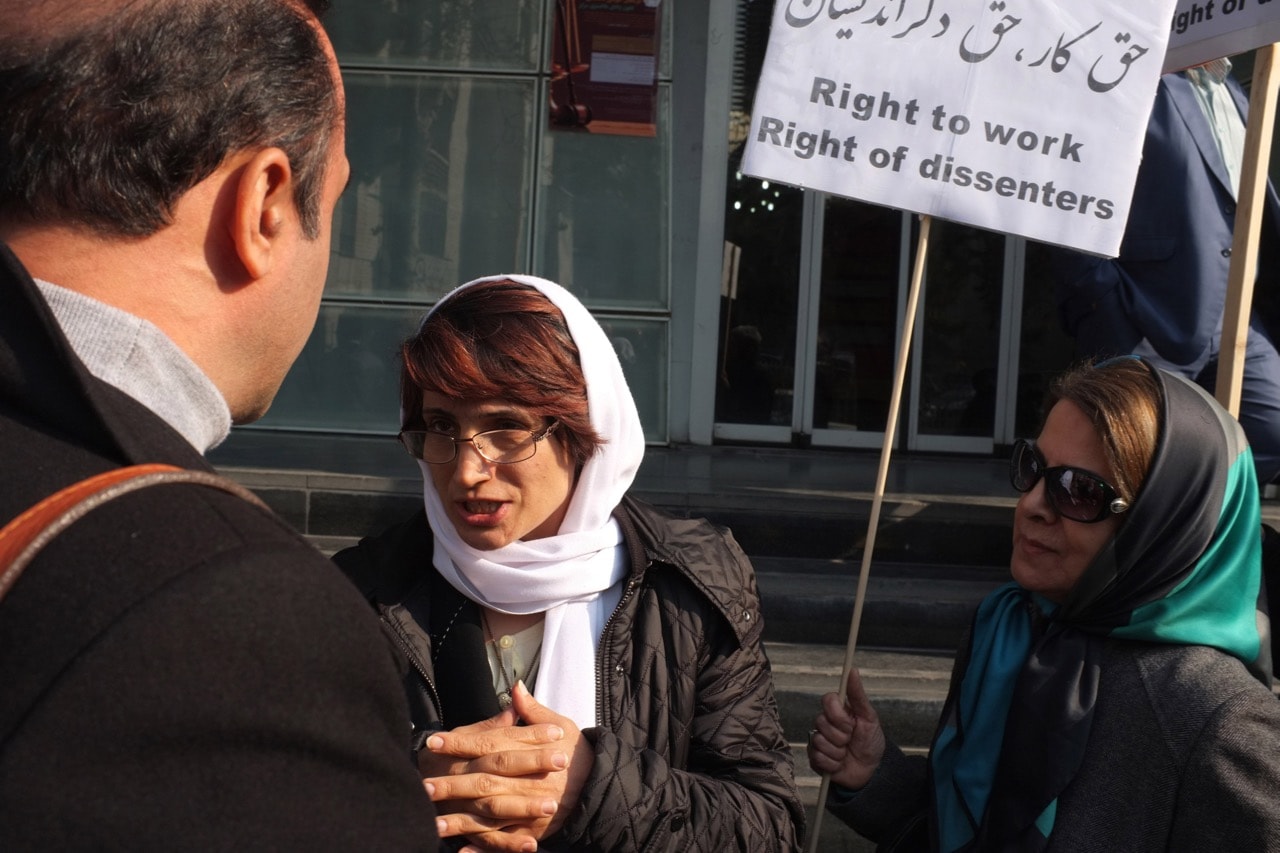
x=584, y=670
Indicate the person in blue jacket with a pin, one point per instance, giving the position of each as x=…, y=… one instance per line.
x=1163, y=296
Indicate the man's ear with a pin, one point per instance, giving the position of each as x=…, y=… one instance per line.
x=264, y=207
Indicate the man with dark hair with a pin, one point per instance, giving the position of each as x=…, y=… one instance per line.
x=179, y=668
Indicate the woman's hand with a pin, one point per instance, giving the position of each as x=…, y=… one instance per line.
x=501, y=785
x=847, y=742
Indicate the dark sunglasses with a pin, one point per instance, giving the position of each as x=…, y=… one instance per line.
x=1073, y=493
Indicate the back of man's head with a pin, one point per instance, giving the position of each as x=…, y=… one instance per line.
x=111, y=110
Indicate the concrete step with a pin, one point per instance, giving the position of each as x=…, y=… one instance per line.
x=910, y=529
x=777, y=522
x=833, y=836
x=906, y=687
x=907, y=605
x=935, y=555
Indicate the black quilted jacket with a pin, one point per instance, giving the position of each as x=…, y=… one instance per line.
x=690, y=753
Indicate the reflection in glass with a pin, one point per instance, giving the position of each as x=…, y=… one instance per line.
x=641, y=346
x=603, y=214
x=762, y=225
x=758, y=303
x=441, y=171
x=347, y=378
x=348, y=375
x=456, y=34
x=1046, y=350
x=857, y=316
x=443, y=190
x=961, y=331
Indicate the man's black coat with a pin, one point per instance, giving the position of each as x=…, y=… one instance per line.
x=179, y=669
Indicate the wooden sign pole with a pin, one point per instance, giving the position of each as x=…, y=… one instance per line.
x=1250, y=198
x=882, y=476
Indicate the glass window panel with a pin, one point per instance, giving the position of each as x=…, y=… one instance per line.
x=348, y=376
x=961, y=330
x=1046, y=350
x=756, y=381
x=665, y=14
x=642, y=349
x=462, y=34
x=857, y=319
x=602, y=214
x=441, y=169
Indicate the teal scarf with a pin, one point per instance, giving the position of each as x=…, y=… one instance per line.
x=1184, y=568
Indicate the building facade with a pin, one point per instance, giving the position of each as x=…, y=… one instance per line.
x=743, y=312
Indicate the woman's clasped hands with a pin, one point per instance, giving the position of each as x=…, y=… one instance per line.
x=503, y=785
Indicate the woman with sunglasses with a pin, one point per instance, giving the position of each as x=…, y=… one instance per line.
x=585, y=671
x=1116, y=695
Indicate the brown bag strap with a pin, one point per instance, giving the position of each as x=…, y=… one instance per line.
x=24, y=537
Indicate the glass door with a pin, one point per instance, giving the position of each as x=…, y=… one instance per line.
x=759, y=309
x=855, y=320
x=956, y=354
x=811, y=297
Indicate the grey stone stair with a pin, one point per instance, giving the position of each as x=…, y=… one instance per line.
x=907, y=687
x=908, y=605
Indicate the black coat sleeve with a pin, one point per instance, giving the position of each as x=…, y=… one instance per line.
x=249, y=703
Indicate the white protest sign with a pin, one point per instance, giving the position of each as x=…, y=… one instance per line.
x=1207, y=29
x=1023, y=118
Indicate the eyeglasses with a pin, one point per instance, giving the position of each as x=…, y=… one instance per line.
x=503, y=446
x=1073, y=493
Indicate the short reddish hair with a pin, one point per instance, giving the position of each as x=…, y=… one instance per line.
x=501, y=340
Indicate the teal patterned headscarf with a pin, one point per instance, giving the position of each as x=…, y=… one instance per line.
x=1184, y=568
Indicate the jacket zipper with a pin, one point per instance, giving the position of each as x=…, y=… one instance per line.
x=632, y=585
x=407, y=648
x=601, y=707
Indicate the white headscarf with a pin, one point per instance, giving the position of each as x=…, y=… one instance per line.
x=575, y=576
